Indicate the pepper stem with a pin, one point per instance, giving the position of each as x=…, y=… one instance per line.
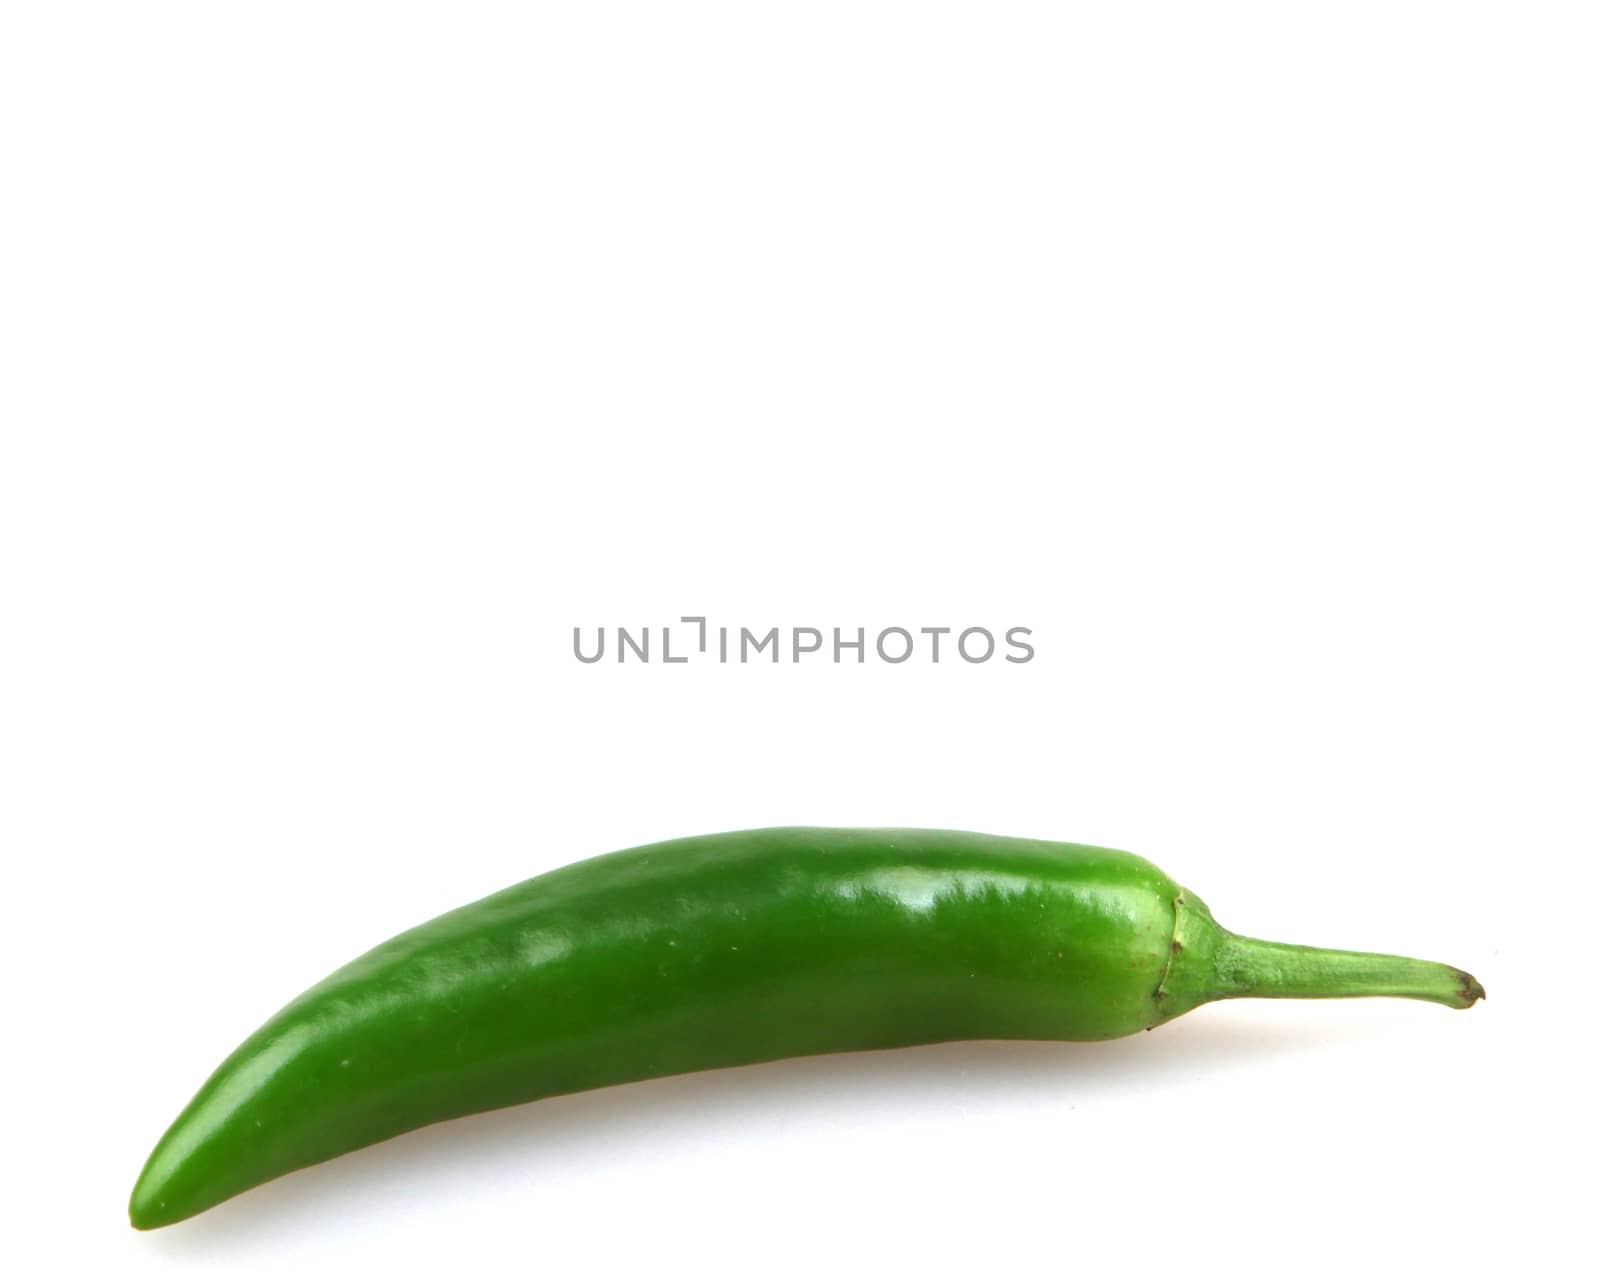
x=1251, y=967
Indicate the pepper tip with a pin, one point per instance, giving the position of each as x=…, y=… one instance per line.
x=1471, y=990
x=147, y=1206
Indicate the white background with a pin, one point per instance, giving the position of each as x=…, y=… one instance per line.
x=353, y=354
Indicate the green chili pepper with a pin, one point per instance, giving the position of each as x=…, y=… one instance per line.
x=722, y=950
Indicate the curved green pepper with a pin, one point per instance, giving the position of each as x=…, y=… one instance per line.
x=722, y=950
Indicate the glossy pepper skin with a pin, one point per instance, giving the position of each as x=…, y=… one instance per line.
x=721, y=950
